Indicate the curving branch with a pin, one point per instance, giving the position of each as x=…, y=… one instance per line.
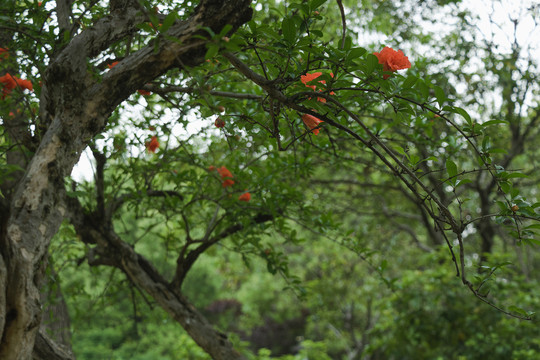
x=63, y=12
x=111, y=250
x=46, y=349
x=343, y=23
x=191, y=90
x=184, y=263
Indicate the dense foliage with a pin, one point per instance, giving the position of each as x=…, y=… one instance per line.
x=330, y=180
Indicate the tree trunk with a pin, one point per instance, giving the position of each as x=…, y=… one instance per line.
x=74, y=107
x=56, y=321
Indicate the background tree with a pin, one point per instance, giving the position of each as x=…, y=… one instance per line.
x=301, y=136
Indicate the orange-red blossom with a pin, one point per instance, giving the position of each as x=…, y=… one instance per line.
x=392, y=60
x=310, y=77
x=312, y=122
x=226, y=175
x=224, y=172
x=227, y=182
x=152, y=145
x=10, y=82
x=245, y=197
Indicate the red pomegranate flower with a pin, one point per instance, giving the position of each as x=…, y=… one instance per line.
x=226, y=176
x=224, y=172
x=227, y=182
x=152, y=145
x=392, y=60
x=10, y=82
x=310, y=77
x=312, y=122
x=245, y=197
x=25, y=84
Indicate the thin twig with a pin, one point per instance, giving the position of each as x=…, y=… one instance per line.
x=343, y=23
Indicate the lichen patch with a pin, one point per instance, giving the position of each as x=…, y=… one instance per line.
x=14, y=233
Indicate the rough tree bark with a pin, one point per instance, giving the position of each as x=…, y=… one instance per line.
x=55, y=321
x=74, y=107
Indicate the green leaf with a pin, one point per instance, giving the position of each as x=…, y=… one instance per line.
x=463, y=182
x=451, y=168
x=439, y=95
x=225, y=30
x=502, y=206
x=348, y=43
x=253, y=26
x=486, y=143
x=493, y=122
x=372, y=62
x=497, y=151
x=212, y=51
x=422, y=88
x=169, y=20
x=356, y=53
x=288, y=27
x=316, y=3
x=517, y=310
x=400, y=150
x=459, y=111
x=414, y=159
x=516, y=175
x=67, y=36
x=304, y=8
x=505, y=186
x=208, y=30
x=409, y=82
x=531, y=242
